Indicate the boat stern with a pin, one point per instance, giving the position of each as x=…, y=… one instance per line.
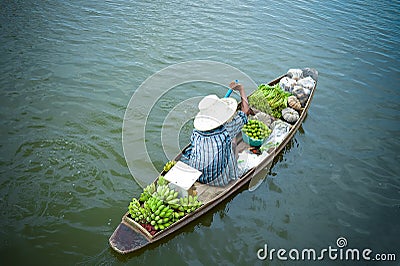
x=125, y=239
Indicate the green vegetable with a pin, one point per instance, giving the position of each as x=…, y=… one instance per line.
x=269, y=99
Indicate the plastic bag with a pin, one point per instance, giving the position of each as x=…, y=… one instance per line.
x=295, y=73
x=287, y=84
x=263, y=117
x=246, y=161
x=306, y=83
x=280, y=129
x=310, y=72
x=301, y=94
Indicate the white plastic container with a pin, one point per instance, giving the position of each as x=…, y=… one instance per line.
x=182, y=177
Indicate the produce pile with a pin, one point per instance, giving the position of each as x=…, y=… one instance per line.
x=284, y=101
x=269, y=99
x=256, y=129
x=159, y=206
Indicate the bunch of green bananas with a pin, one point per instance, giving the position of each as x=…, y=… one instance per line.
x=166, y=194
x=138, y=213
x=169, y=165
x=147, y=192
x=150, y=189
x=189, y=204
x=161, y=206
x=162, y=181
x=161, y=215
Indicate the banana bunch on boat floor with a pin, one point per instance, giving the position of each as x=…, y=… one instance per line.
x=147, y=192
x=168, y=166
x=138, y=213
x=159, y=206
x=188, y=204
x=151, y=189
x=166, y=194
x=161, y=216
x=155, y=212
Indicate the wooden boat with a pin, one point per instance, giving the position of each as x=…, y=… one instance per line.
x=130, y=236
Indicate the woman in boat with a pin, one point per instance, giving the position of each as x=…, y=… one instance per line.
x=212, y=149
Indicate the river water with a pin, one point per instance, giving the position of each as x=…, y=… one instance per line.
x=69, y=68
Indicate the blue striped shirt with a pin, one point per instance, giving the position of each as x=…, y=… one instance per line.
x=211, y=152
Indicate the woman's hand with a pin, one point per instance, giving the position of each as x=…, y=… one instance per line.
x=236, y=86
x=239, y=87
